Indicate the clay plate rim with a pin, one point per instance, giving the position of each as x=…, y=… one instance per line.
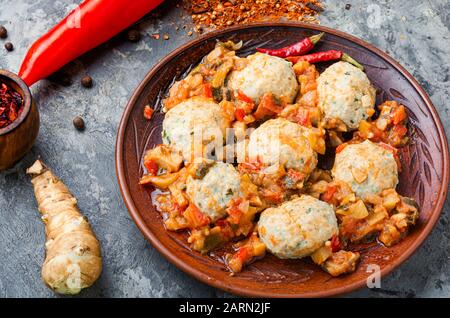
x=261, y=293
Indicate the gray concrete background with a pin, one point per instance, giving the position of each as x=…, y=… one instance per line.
x=415, y=32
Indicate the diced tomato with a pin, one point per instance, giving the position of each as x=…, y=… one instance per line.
x=328, y=195
x=239, y=113
x=335, y=243
x=303, y=117
x=235, y=212
x=254, y=164
x=273, y=196
x=195, y=217
x=151, y=167
x=295, y=175
x=388, y=147
x=177, y=207
x=399, y=115
x=268, y=103
x=243, y=255
x=148, y=112
x=207, y=90
x=400, y=130
x=341, y=147
x=244, y=98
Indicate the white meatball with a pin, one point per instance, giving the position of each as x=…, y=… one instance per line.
x=265, y=74
x=297, y=228
x=212, y=193
x=280, y=141
x=367, y=168
x=192, y=117
x=345, y=93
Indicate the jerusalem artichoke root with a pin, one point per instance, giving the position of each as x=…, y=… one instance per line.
x=73, y=257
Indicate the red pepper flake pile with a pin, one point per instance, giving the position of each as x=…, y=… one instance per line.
x=11, y=105
x=218, y=14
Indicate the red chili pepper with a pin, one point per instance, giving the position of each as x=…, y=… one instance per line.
x=90, y=24
x=332, y=55
x=299, y=48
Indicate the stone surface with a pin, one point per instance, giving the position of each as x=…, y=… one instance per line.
x=416, y=33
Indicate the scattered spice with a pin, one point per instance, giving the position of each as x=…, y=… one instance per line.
x=166, y=37
x=9, y=46
x=148, y=112
x=218, y=13
x=133, y=35
x=86, y=81
x=189, y=33
x=3, y=32
x=348, y=6
x=78, y=122
x=11, y=105
x=155, y=36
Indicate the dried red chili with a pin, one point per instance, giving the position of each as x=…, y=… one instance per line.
x=11, y=105
x=299, y=48
x=331, y=55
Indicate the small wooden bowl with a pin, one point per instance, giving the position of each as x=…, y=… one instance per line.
x=424, y=176
x=18, y=138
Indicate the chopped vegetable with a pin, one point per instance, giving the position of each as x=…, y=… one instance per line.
x=162, y=181
x=195, y=217
x=148, y=112
x=246, y=252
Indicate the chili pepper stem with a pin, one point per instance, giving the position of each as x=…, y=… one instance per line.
x=316, y=38
x=347, y=58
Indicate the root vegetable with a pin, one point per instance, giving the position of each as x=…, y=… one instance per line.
x=73, y=257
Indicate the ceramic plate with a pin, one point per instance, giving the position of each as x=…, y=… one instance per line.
x=424, y=176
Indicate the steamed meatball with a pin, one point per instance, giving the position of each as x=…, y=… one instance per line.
x=297, y=228
x=280, y=141
x=265, y=74
x=367, y=168
x=345, y=93
x=213, y=193
x=193, y=117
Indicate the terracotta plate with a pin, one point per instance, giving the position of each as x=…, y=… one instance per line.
x=424, y=177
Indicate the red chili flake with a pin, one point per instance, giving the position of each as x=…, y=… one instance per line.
x=155, y=36
x=11, y=105
x=148, y=112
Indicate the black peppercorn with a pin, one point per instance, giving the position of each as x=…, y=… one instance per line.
x=133, y=35
x=3, y=32
x=78, y=122
x=9, y=46
x=86, y=81
x=348, y=6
